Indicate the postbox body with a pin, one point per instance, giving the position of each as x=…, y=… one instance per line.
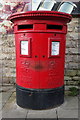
x=40, y=38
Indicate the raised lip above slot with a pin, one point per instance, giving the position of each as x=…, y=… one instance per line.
x=25, y=27
x=54, y=27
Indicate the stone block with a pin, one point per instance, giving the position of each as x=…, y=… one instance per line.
x=68, y=58
x=9, y=63
x=76, y=78
x=76, y=29
x=71, y=58
x=67, y=78
x=9, y=56
x=75, y=83
x=71, y=44
x=72, y=36
x=70, y=28
x=73, y=65
x=71, y=73
x=8, y=80
x=78, y=73
x=72, y=83
x=66, y=51
x=66, y=65
x=8, y=50
x=75, y=58
x=73, y=50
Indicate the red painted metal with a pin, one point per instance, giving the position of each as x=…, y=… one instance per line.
x=39, y=69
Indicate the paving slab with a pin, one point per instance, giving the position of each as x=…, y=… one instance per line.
x=12, y=110
x=5, y=97
x=51, y=113
x=67, y=114
x=15, y=114
x=69, y=109
x=6, y=92
x=70, y=103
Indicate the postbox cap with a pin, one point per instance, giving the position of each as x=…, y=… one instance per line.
x=42, y=15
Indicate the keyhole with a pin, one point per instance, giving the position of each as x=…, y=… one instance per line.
x=54, y=34
x=36, y=56
x=43, y=56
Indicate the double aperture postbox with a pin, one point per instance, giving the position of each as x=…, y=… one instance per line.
x=40, y=38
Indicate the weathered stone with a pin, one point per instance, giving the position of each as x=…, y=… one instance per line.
x=68, y=58
x=75, y=58
x=66, y=50
x=71, y=44
x=72, y=83
x=8, y=70
x=76, y=78
x=72, y=36
x=73, y=65
x=9, y=63
x=66, y=78
x=9, y=50
x=75, y=83
x=73, y=50
x=71, y=73
x=70, y=28
x=76, y=29
x=71, y=58
x=78, y=73
x=73, y=25
x=8, y=80
x=66, y=65
x=69, y=82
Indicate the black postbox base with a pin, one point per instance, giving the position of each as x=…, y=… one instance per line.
x=39, y=99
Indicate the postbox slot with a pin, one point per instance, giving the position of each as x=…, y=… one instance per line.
x=55, y=27
x=23, y=27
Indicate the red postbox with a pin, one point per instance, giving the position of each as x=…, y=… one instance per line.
x=40, y=38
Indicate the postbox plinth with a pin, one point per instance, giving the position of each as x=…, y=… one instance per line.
x=39, y=99
x=40, y=38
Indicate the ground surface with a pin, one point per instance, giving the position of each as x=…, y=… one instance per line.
x=9, y=108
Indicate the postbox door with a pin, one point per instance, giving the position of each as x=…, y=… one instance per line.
x=27, y=61
x=52, y=52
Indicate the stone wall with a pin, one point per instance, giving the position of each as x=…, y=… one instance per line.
x=72, y=69
x=8, y=59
